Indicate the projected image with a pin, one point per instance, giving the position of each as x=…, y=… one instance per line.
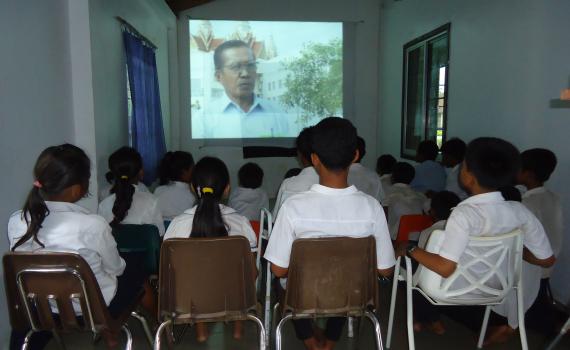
x=263, y=79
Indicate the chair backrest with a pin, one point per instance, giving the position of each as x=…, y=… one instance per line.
x=485, y=274
x=332, y=276
x=255, y=226
x=412, y=223
x=140, y=238
x=206, y=279
x=40, y=286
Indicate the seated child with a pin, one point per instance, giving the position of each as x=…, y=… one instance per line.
x=430, y=175
x=306, y=178
x=489, y=164
x=384, y=166
x=537, y=165
x=402, y=200
x=173, y=193
x=511, y=193
x=249, y=198
x=364, y=179
x=330, y=208
x=210, y=218
x=442, y=203
x=452, y=153
x=126, y=205
x=51, y=222
x=105, y=190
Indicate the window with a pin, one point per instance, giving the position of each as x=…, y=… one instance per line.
x=425, y=90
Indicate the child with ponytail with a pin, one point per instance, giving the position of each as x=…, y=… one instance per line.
x=51, y=221
x=209, y=217
x=173, y=194
x=125, y=204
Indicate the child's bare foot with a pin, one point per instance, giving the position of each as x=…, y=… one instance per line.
x=436, y=327
x=329, y=345
x=202, y=333
x=312, y=344
x=499, y=335
x=418, y=326
x=238, y=330
x=111, y=339
x=319, y=334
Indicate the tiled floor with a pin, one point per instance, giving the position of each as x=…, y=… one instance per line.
x=457, y=336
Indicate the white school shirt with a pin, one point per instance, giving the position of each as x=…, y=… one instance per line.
x=386, y=181
x=329, y=212
x=69, y=228
x=174, y=198
x=545, y=205
x=489, y=214
x=366, y=181
x=295, y=184
x=452, y=182
x=402, y=200
x=144, y=210
x=248, y=202
x=106, y=190
x=237, y=225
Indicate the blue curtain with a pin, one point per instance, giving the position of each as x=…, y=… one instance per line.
x=146, y=123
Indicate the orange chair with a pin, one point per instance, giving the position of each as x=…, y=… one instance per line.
x=255, y=226
x=412, y=223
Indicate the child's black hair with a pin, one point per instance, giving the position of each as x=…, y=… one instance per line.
x=125, y=164
x=303, y=143
x=442, y=203
x=494, y=162
x=385, y=163
x=334, y=142
x=292, y=172
x=455, y=148
x=57, y=168
x=361, y=146
x=250, y=175
x=403, y=172
x=539, y=161
x=428, y=150
x=210, y=178
x=511, y=193
x=173, y=165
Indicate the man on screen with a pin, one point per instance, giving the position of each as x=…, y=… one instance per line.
x=239, y=113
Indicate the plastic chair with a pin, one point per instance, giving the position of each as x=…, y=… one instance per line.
x=332, y=277
x=412, y=223
x=140, y=238
x=565, y=328
x=500, y=255
x=44, y=291
x=206, y=280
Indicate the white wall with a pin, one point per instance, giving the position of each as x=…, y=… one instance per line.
x=361, y=89
x=152, y=18
x=508, y=60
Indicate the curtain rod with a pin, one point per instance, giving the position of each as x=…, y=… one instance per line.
x=131, y=28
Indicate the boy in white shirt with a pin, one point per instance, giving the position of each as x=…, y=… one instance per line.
x=402, y=200
x=452, y=153
x=489, y=164
x=363, y=178
x=536, y=167
x=384, y=166
x=330, y=208
x=306, y=178
x=249, y=198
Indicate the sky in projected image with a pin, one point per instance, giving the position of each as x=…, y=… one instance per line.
x=273, y=78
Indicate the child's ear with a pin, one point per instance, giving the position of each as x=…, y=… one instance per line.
x=356, y=156
x=227, y=191
x=315, y=160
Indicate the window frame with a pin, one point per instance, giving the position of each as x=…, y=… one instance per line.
x=424, y=40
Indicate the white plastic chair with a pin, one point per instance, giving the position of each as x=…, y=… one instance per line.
x=265, y=216
x=561, y=334
x=502, y=257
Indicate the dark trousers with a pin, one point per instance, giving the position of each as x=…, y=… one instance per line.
x=129, y=285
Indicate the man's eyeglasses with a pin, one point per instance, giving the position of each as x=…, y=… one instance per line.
x=238, y=67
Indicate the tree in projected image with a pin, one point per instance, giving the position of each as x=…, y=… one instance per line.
x=314, y=82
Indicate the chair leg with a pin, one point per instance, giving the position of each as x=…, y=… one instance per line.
x=563, y=331
x=262, y=344
x=377, y=330
x=59, y=340
x=278, y=331
x=410, y=305
x=275, y=317
x=27, y=339
x=129, y=344
x=144, y=325
x=351, y=327
x=484, y=327
x=393, y=304
x=267, y=319
x=522, y=328
x=158, y=332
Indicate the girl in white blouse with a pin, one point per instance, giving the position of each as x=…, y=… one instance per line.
x=173, y=194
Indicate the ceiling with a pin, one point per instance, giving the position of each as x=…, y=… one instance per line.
x=178, y=6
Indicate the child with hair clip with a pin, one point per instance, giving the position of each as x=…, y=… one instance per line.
x=173, y=194
x=210, y=218
x=126, y=205
x=50, y=221
x=105, y=190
